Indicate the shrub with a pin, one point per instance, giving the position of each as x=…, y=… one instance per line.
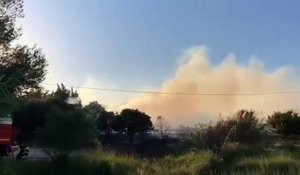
x=287, y=123
x=243, y=128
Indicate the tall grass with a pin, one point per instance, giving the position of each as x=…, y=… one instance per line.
x=192, y=163
x=275, y=163
x=188, y=164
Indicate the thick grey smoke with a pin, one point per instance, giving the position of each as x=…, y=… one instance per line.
x=197, y=75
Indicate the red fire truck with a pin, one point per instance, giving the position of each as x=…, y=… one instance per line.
x=8, y=143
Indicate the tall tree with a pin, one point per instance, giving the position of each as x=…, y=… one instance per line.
x=28, y=64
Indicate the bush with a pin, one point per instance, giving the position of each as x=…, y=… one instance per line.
x=243, y=128
x=287, y=123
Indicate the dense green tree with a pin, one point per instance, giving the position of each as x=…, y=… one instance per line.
x=104, y=122
x=27, y=64
x=133, y=121
x=65, y=131
x=31, y=114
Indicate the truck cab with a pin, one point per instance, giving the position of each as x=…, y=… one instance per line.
x=7, y=136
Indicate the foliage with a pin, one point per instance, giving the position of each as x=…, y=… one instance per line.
x=8, y=101
x=94, y=109
x=243, y=128
x=65, y=131
x=31, y=114
x=286, y=123
x=28, y=63
x=21, y=68
x=10, y=10
x=104, y=122
x=132, y=121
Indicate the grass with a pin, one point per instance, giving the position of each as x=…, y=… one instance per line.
x=276, y=163
x=192, y=163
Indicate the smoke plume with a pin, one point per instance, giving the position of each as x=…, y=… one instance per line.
x=197, y=75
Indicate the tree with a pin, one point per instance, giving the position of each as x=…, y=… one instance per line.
x=28, y=64
x=134, y=121
x=28, y=117
x=64, y=98
x=286, y=123
x=10, y=10
x=94, y=109
x=8, y=101
x=32, y=113
x=104, y=122
x=162, y=126
x=65, y=131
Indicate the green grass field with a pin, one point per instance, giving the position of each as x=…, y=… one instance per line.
x=192, y=163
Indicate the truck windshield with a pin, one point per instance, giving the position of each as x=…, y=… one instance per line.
x=6, y=120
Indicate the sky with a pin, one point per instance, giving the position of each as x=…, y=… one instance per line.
x=157, y=45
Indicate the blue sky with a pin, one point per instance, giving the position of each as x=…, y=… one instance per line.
x=134, y=44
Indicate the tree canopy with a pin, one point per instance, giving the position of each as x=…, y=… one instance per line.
x=10, y=10
x=65, y=131
x=27, y=64
x=133, y=121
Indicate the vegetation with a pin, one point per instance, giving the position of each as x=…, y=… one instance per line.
x=192, y=163
x=286, y=123
x=65, y=131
